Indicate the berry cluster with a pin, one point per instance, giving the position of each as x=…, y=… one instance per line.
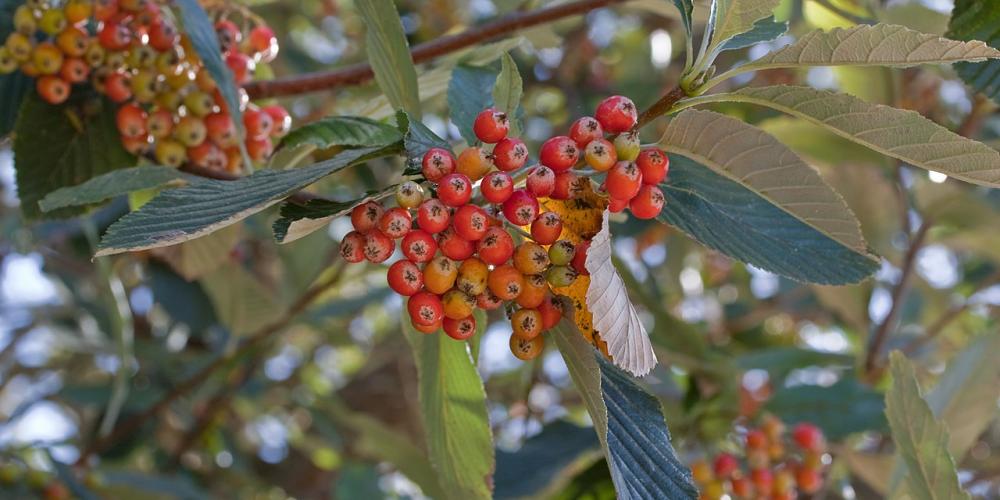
x=132, y=52
x=769, y=470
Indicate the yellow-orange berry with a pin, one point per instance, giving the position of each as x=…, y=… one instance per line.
x=457, y=304
x=531, y=258
x=527, y=323
x=505, y=282
x=525, y=349
x=440, y=274
x=534, y=291
x=472, y=275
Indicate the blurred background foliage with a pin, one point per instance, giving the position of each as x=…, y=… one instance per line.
x=327, y=407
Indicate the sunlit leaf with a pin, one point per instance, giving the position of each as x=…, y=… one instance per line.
x=507, y=92
x=389, y=54
x=736, y=17
x=110, y=185
x=350, y=131
x=469, y=92
x=978, y=20
x=764, y=30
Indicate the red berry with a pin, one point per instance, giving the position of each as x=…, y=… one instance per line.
x=559, y=153
x=579, y=261
x=418, y=246
x=53, y=89
x=460, y=329
x=615, y=205
x=74, y=70
x=160, y=123
x=117, y=88
x=260, y=149
x=724, y=465
x=551, y=310
x=488, y=301
x=437, y=163
x=113, y=36
x=496, y=247
x=624, y=180
x=352, y=248
x=263, y=41
x=163, y=35
x=280, y=118
x=208, y=155
x=510, y=154
x=808, y=480
x=470, y=222
x=762, y=479
x=221, y=129
x=567, y=186
x=425, y=308
x=241, y=65
x=229, y=34
x=428, y=329
x=654, y=165
x=378, y=247
x=616, y=114
x=742, y=487
x=395, y=223
x=491, y=125
x=541, y=181
x=546, y=228
x=131, y=120
x=756, y=439
x=808, y=437
x=647, y=203
x=405, y=278
x=365, y=216
x=258, y=123
x=521, y=208
x=433, y=216
x=454, y=246
x=497, y=187
x=455, y=190
x=584, y=130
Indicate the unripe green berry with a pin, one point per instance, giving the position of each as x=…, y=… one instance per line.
x=190, y=131
x=144, y=87
x=199, y=103
x=561, y=253
x=627, y=146
x=7, y=62
x=24, y=20
x=560, y=276
x=19, y=46
x=141, y=56
x=170, y=153
x=409, y=195
x=52, y=22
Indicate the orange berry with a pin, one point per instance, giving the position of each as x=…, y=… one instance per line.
x=505, y=282
x=533, y=294
x=527, y=323
x=525, y=349
x=472, y=275
x=474, y=163
x=531, y=258
x=53, y=89
x=457, y=304
x=440, y=274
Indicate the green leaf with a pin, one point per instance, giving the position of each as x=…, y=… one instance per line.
x=110, y=185
x=736, y=17
x=179, y=487
x=242, y=303
x=978, y=20
x=757, y=162
x=200, y=256
x=920, y=439
x=297, y=220
x=418, y=139
x=902, y=134
x=453, y=407
x=507, y=92
x=469, y=92
x=764, y=30
x=840, y=410
x=686, y=8
x=389, y=54
x=733, y=219
x=779, y=361
x=59, y=146
x=13, y=88
x=182, y=214
x=348, y=131
x=546, y=461
x=966, y=394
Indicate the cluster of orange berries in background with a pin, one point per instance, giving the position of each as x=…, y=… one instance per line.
x=776, y=465
x=132, y=52
x=482, y=240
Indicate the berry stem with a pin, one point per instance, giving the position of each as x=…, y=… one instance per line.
x=359, y=73
x=660, y=107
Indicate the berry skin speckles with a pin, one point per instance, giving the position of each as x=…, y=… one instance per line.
x=491, y=126
x=365, y=216
x=559, y=153
x=510, y=154
x=405, y=278
x=521, y=208
x=437, y=163
x=616, y=114
x=455, y=190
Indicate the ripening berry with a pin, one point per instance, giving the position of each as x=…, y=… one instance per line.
x=472, y=276
x=531, y=258
x=627, y=146
x=405, y=278
x=263, y=42
x=567, y=186
x=763, y=479
x=191, y=131
x=52, y=21
x=47, y=58
x=497, y=187
x=757, y=458
x=460, y=329
x=221, y=129
x=547, y=228
x=624, y=180
x=117, y=87
x=487, y=301
x=561, y=253
x=105, y=9
x=258, y=124
x=395, y=223
x=144, y=86
x=579, y=261
x=428, y=329
x=773, y=427
x=510, y=154
x=527, y=323
x=496, y=247
x=437, y=163
x=551, y=310
x=114, y=37
x=53, y=89
x=378, y=247
x=418, y=246
x=742, y=487
x=131, y=120
x=170, y=153
x=74, y=70
x=647, y=203
x=229, y=35
x=535, y=289
x=559, y=153
x=616, y=114
x=73, y=42
x=724, y=465
x=280, y=118
x=140, y=145
x=584, y=130
x=160, y=123
x=7, y=62
x=409, y=195
x=425, y=308
x=491, y=125
x=170, y=62
x=654, y=165
x=470, y=222
x=541, y=181
x=433, y=216
x=163, y=35
x=201, y=104
x=701, y=472
x=77, y=11
x=526, y=350
x=19, y=46
x=208, y=155
x=521, y=208
x=474, y=163
x=561, y=276
x=241, y=65
x=808, y=480
x=454, y=246
x=440, y=274
x=808, y=437
x=784, y=481
x=365, y=216
x=144, y=56
x=600, y=155
x=24, y=20
x=455, y=189
x=756, y=439
x=505, y=282
x=457, y=304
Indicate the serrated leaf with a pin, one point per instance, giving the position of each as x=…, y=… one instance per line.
x=920, y=439
x=965, y=397
x=546, y=461
x=389, y=54
x=347, y=131
x=615, y=317
x=453, y=407
x=469, y=92
x=195, y=258
x=51, y=152
x=764, y=30
x=297, y=220
x=241, y=302
x=758, y=162
x=736, y=17
x=110, y=185
x=507, y=92
x=13, y=88
x=902, y=134
x=733, y=219
x=842, y=409
x=182, y=214
x=978, y=20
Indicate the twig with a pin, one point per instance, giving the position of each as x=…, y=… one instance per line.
x=660, y=107
x=360, y=73
x=826, y=4
x=951, y=314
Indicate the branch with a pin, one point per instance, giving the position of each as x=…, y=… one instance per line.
x=360, y=73
x=660, y=107
x=951, y=314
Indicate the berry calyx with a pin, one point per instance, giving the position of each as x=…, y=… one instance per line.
x=455, y=189
x=521, y=208
x=510, y=154
x=497, y=187
x=425, y=308
x=584, y=130
x=433, y=216
x=437, y=163
x=405, y=278
x=365, y=216
x=460, y=329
